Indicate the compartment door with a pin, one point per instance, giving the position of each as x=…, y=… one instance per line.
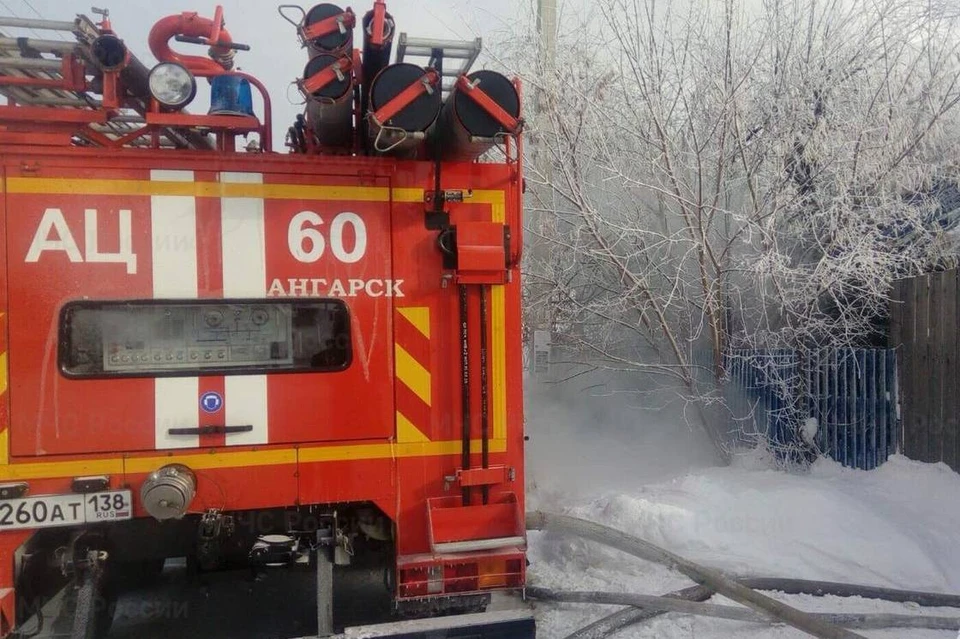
x=193, y=252
x=332, y=239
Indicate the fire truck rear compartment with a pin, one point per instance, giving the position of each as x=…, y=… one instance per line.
x=260, y=364
x=198, y=348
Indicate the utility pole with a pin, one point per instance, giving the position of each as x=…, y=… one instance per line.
x=544, y=321
x=547, y=50
x=547, y=28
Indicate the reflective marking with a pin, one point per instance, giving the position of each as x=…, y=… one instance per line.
x=407, y=431
x=244, y=275
x=174, y=407
x=239, y=459
x=419, y=316
x=498, y=308
x=173, y=224
x=412, y=374
x=175, y=186
x=244, y=243
x=3, y=373
x=246, y=404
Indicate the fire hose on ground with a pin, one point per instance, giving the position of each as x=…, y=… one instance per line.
x=760, y=608
x=614, y=622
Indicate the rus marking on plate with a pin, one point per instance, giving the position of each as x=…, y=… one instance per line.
x=211, y=402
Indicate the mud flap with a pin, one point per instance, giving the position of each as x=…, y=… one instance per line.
x=512, y=624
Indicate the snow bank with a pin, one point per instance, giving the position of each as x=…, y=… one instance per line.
x=896, y=526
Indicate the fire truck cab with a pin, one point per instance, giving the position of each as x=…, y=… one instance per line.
x=250, y=359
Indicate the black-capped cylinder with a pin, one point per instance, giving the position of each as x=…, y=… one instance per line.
x=110, y=52
x=404, y=132
x=330, y=108
x=334, y=42
x=375, y=56
x=464, y=129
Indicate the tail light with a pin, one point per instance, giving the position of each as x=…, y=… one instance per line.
x=460, y=576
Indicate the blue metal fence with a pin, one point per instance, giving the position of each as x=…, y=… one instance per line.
x=842, y=401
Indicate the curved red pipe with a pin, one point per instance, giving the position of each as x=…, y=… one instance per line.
x=192, y=25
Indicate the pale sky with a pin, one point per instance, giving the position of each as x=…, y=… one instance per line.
x=275, y=56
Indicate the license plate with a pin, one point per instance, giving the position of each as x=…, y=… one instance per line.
x=48, y=511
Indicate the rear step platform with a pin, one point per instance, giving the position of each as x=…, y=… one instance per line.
x=500, y=624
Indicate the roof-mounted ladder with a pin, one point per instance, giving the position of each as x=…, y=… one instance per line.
x=464, y=51
x=41, y=63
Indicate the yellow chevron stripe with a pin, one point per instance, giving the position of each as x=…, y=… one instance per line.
x=407, y=432
x=419, y=316
x=412, y=374
x=3, y=373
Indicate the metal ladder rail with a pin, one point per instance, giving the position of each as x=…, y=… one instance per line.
x=14, y=62
x=464, y=51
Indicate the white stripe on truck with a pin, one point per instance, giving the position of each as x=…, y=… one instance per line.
x=173, y=224
x=244, y=275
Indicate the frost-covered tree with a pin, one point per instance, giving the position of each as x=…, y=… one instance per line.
x=725, y=173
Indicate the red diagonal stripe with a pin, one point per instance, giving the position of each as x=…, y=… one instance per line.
x=412, y=341
x=414, y=409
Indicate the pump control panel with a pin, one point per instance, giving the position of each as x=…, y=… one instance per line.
x=159, y=337
x=191, y=336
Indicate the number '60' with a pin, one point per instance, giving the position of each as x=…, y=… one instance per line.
x=307, y=243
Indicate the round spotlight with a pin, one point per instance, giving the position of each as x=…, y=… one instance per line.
x=172, y=85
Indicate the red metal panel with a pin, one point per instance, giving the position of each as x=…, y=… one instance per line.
x=344, y=481
x=238, y=123
x=4, y=341
x=449, y=521
x=355, y=265
x=483, y=476
x=49, y=414
x=481, y=254
x=9, y=543
x=33, y=137
x=422, y=478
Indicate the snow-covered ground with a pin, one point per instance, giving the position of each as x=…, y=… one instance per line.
x=897, y=526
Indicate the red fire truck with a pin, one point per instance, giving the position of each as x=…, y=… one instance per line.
x=214, y=350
